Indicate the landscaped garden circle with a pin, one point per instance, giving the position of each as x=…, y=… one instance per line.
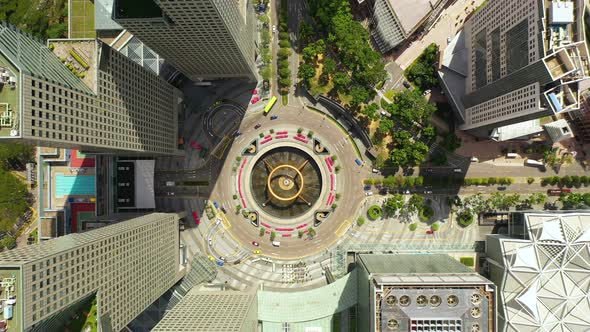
x=426, y=212
x=286, y=182
x=465, y=218
x=374, y=212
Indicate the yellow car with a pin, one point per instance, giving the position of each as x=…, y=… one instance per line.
x=211, y=258
x=257, y=252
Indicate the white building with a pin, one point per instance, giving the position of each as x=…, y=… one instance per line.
x=542, y=272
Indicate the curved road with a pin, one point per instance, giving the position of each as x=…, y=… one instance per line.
x=349, y=184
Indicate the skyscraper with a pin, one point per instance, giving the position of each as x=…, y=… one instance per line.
x=96, y=100
x=126, y=266
x=516, y=61
x=204, y=39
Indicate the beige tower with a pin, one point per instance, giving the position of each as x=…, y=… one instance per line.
x=126, y=266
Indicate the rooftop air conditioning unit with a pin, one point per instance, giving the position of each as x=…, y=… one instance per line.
x=14, y=133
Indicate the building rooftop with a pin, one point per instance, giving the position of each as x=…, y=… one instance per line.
x=404, y=264
x=544, y=280
x=103, y=13
x=211, y=311
x=410, y=13
x=33, y=57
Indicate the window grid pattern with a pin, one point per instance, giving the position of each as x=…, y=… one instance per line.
x=206, y=38
x=510, y=105
x=503, y=14
x=129, y=264
x=134, y=110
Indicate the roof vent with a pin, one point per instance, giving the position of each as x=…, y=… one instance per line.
x=452, y=300
x=404, y=301
x=14, y=133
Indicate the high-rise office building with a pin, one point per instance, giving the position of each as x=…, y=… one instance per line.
x=423, y=292
x=541, y=264
x=226, y=311
x=125, y=266
x=516, y=61
x=204, y=39
x=94, y=99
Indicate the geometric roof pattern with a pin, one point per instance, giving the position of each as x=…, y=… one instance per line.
x=546, y=282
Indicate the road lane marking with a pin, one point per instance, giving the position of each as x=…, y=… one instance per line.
x=343, y=228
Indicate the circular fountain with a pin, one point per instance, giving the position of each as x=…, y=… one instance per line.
x=286, y=182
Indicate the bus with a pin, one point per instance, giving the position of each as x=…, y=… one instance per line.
x=270, y=104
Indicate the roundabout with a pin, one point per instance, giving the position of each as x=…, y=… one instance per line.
x=290, y=185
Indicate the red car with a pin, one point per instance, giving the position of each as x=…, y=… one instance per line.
x=196, y=217
x=430, y=231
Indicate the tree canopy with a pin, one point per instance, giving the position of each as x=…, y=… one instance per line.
x=422, y=72
x=393, y=203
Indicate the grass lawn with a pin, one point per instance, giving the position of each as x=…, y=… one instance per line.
x=85, y=318
x=389, y=94
x=82, y=19
x=315, y=86
x=344, y=99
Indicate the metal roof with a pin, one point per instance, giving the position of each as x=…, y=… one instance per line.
x=413, y=264
x=31, y=56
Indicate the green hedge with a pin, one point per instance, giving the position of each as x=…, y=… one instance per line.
x=467, y=261
x=374, y=212
x=78, y=58
x=465, y=218
x=413, y=227
x=435, y=226
x=426, y=213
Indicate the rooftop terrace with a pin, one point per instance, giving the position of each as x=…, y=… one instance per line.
x=9, y=101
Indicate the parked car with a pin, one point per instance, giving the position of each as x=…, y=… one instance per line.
x=375, y=170
x=449, y=40
x=427, y=192
x=457, y=170
x=256, y=244
x=181, y=226
x=258, y=125
x=216, y=204
x=274, y=28
x=219, y=263
x=406, y=84
x=223, y=210
x=196, y=217
x=358, y=162
x=274, y=117
x=237, y=133
x=430, y=231
x=367, y=187
x=210, y=242
x=502, y=188
x=427, y=92
x=369, y=193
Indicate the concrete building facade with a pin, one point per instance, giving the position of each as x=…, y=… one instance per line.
x=516, y=61
x=203, y=39
x=116, y=106
x=127, y=266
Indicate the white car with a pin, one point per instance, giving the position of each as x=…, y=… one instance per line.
x=369, y=193
x=427, y=92
x=448, y=40
x=274, y=28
